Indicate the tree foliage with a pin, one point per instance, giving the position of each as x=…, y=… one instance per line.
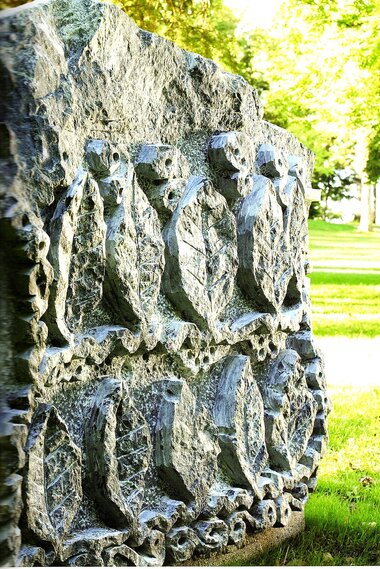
x=322, y=72
x=373, y=163
x=11, y=3
x=206, y=27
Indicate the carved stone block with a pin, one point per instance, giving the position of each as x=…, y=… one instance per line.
x=162, y=391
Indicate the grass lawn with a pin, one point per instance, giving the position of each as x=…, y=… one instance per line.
x=343, y=514
x=345, y=282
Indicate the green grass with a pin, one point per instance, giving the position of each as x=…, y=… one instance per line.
x=345, y=282
x=343, y=514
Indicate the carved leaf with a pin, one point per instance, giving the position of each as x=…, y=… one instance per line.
x=290, y=411
x=239, y=416
x=77, y=254
x=135, y=255
x=62, y=230
x=53, y=482
x=186, y=445
x=201, y=259
x=85, y=288
x=296, y=235
x=264, y=270
x=118, y=451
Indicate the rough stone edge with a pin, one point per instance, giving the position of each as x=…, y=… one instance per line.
x=253, y=545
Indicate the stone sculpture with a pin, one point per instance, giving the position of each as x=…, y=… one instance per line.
x=162, y=394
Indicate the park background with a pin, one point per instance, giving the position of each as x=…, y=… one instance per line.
x=316, y=67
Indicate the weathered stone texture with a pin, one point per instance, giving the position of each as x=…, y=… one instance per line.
x=162, y=393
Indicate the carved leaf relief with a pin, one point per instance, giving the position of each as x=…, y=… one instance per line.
x=239, y=416
x=135, y=255
x=186, y=445
x=77, y=255
x=201, y=259
x=290, y=411
x=296, y=234
x=62, y=229
x=118, y=452
x=264, y=270
x=85, y=288
x=53, y=483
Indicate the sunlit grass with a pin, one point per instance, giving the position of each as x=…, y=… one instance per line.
x=346, y=279
x=354, y=430
x=343, y=246
x=345, y=284
x=346, y=305
x=350, y=326
x=343, y=514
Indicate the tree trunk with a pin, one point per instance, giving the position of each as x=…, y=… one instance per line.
x=325, y=209
x=377, y=204
x=360, y=161
x=365, y=207
x=372, y=205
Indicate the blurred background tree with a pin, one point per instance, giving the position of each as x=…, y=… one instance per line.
x=335, y=187
x=317, y=71
x=206, y=27
x=10, y=4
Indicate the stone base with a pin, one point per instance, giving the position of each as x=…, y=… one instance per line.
x=254, y=545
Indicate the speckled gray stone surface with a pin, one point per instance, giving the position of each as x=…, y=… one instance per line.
x=162, y=394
